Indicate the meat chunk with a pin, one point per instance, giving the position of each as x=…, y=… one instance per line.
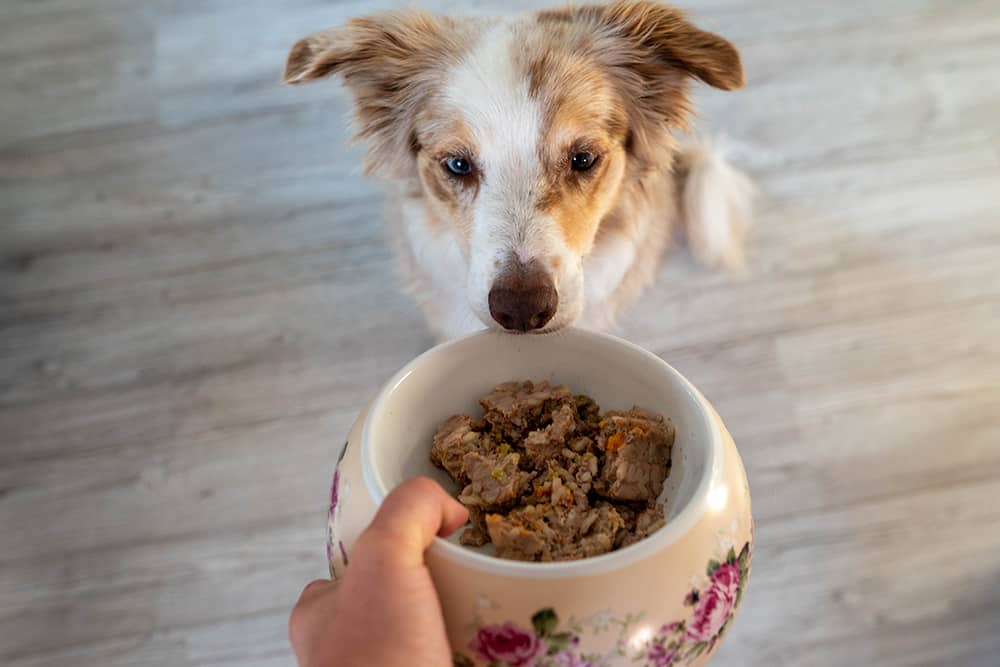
x=515, y=408
x=636, y=455
x=544, y=444
x=649, y=520
x=588, y=412
x=495, y=481
x=560, y=525
x=546, y=478
x=473, y=536
x=454, y=439
x=560, y=487
x=520, y=535
x=603, y=524
x=549, y=532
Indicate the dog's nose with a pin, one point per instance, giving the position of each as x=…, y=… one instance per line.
x=523, y=297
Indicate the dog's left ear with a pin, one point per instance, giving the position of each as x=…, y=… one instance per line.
x=388, y=63
x=660, y=36
x=652, y=52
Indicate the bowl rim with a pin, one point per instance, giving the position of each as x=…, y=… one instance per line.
x=671, y=532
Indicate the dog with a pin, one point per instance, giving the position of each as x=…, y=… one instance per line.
x=534, y=175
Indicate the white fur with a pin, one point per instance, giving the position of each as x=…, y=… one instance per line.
x=606, y=266
x=433, y=267
x=494, y=101
x=716, y=207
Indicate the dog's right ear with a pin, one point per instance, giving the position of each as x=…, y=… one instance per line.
x=388, y=62
x=401, y=41
x=316, y=56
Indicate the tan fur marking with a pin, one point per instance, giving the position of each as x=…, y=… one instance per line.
x=392, y=63
x=619, y=71
x=649, y=51
x=442, y=134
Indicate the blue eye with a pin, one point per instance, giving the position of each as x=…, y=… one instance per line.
x=458, y=166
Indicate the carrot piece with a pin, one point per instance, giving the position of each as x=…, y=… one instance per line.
x=615, y=442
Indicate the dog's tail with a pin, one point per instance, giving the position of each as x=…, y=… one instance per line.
x=715, y=202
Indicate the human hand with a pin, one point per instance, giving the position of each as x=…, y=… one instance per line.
x=384, y=610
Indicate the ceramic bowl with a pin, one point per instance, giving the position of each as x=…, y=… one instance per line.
x=666, y=600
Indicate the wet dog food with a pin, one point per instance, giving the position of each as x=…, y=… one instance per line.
x=547, y=477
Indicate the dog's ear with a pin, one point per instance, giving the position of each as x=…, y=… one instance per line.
x=388, y=63
x=662, y=36
x=652, y=52
x=317, y=56
x=658, y=40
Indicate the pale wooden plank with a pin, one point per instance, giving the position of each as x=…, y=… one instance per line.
x=251, y=639
x=859, y=585
x=96, y=69
x=161, y=587
x=227, y=477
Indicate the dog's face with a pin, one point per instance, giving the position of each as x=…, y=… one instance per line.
x=520, y=132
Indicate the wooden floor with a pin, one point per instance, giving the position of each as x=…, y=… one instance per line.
x=195, y=300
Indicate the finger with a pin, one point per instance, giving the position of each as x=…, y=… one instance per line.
x=455, y=514
x=318, y=599
x=316, y=589
x=409, y=518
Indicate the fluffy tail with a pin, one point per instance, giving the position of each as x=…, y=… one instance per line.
x=715, y=204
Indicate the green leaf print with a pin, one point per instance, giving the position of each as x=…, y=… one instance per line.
x=559, y=642
x=545, y=622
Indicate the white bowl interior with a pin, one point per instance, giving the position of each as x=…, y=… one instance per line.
x=451, y=378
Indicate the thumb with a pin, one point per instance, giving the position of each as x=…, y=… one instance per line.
x=407, y=521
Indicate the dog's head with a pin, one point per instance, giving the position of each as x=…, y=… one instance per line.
x=520, y=132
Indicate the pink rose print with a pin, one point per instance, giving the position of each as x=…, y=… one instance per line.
x=670, y=628
x=715, y=604
x=508, y=644
x=334, y=499
x=335, y=489
x=675, y=644
x=661, y=656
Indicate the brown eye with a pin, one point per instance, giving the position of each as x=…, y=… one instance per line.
x=583, y=161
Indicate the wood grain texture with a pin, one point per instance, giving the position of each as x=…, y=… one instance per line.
x=196, y=298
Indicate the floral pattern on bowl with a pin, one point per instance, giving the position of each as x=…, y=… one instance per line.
x=332, y=517
x=674, y=644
